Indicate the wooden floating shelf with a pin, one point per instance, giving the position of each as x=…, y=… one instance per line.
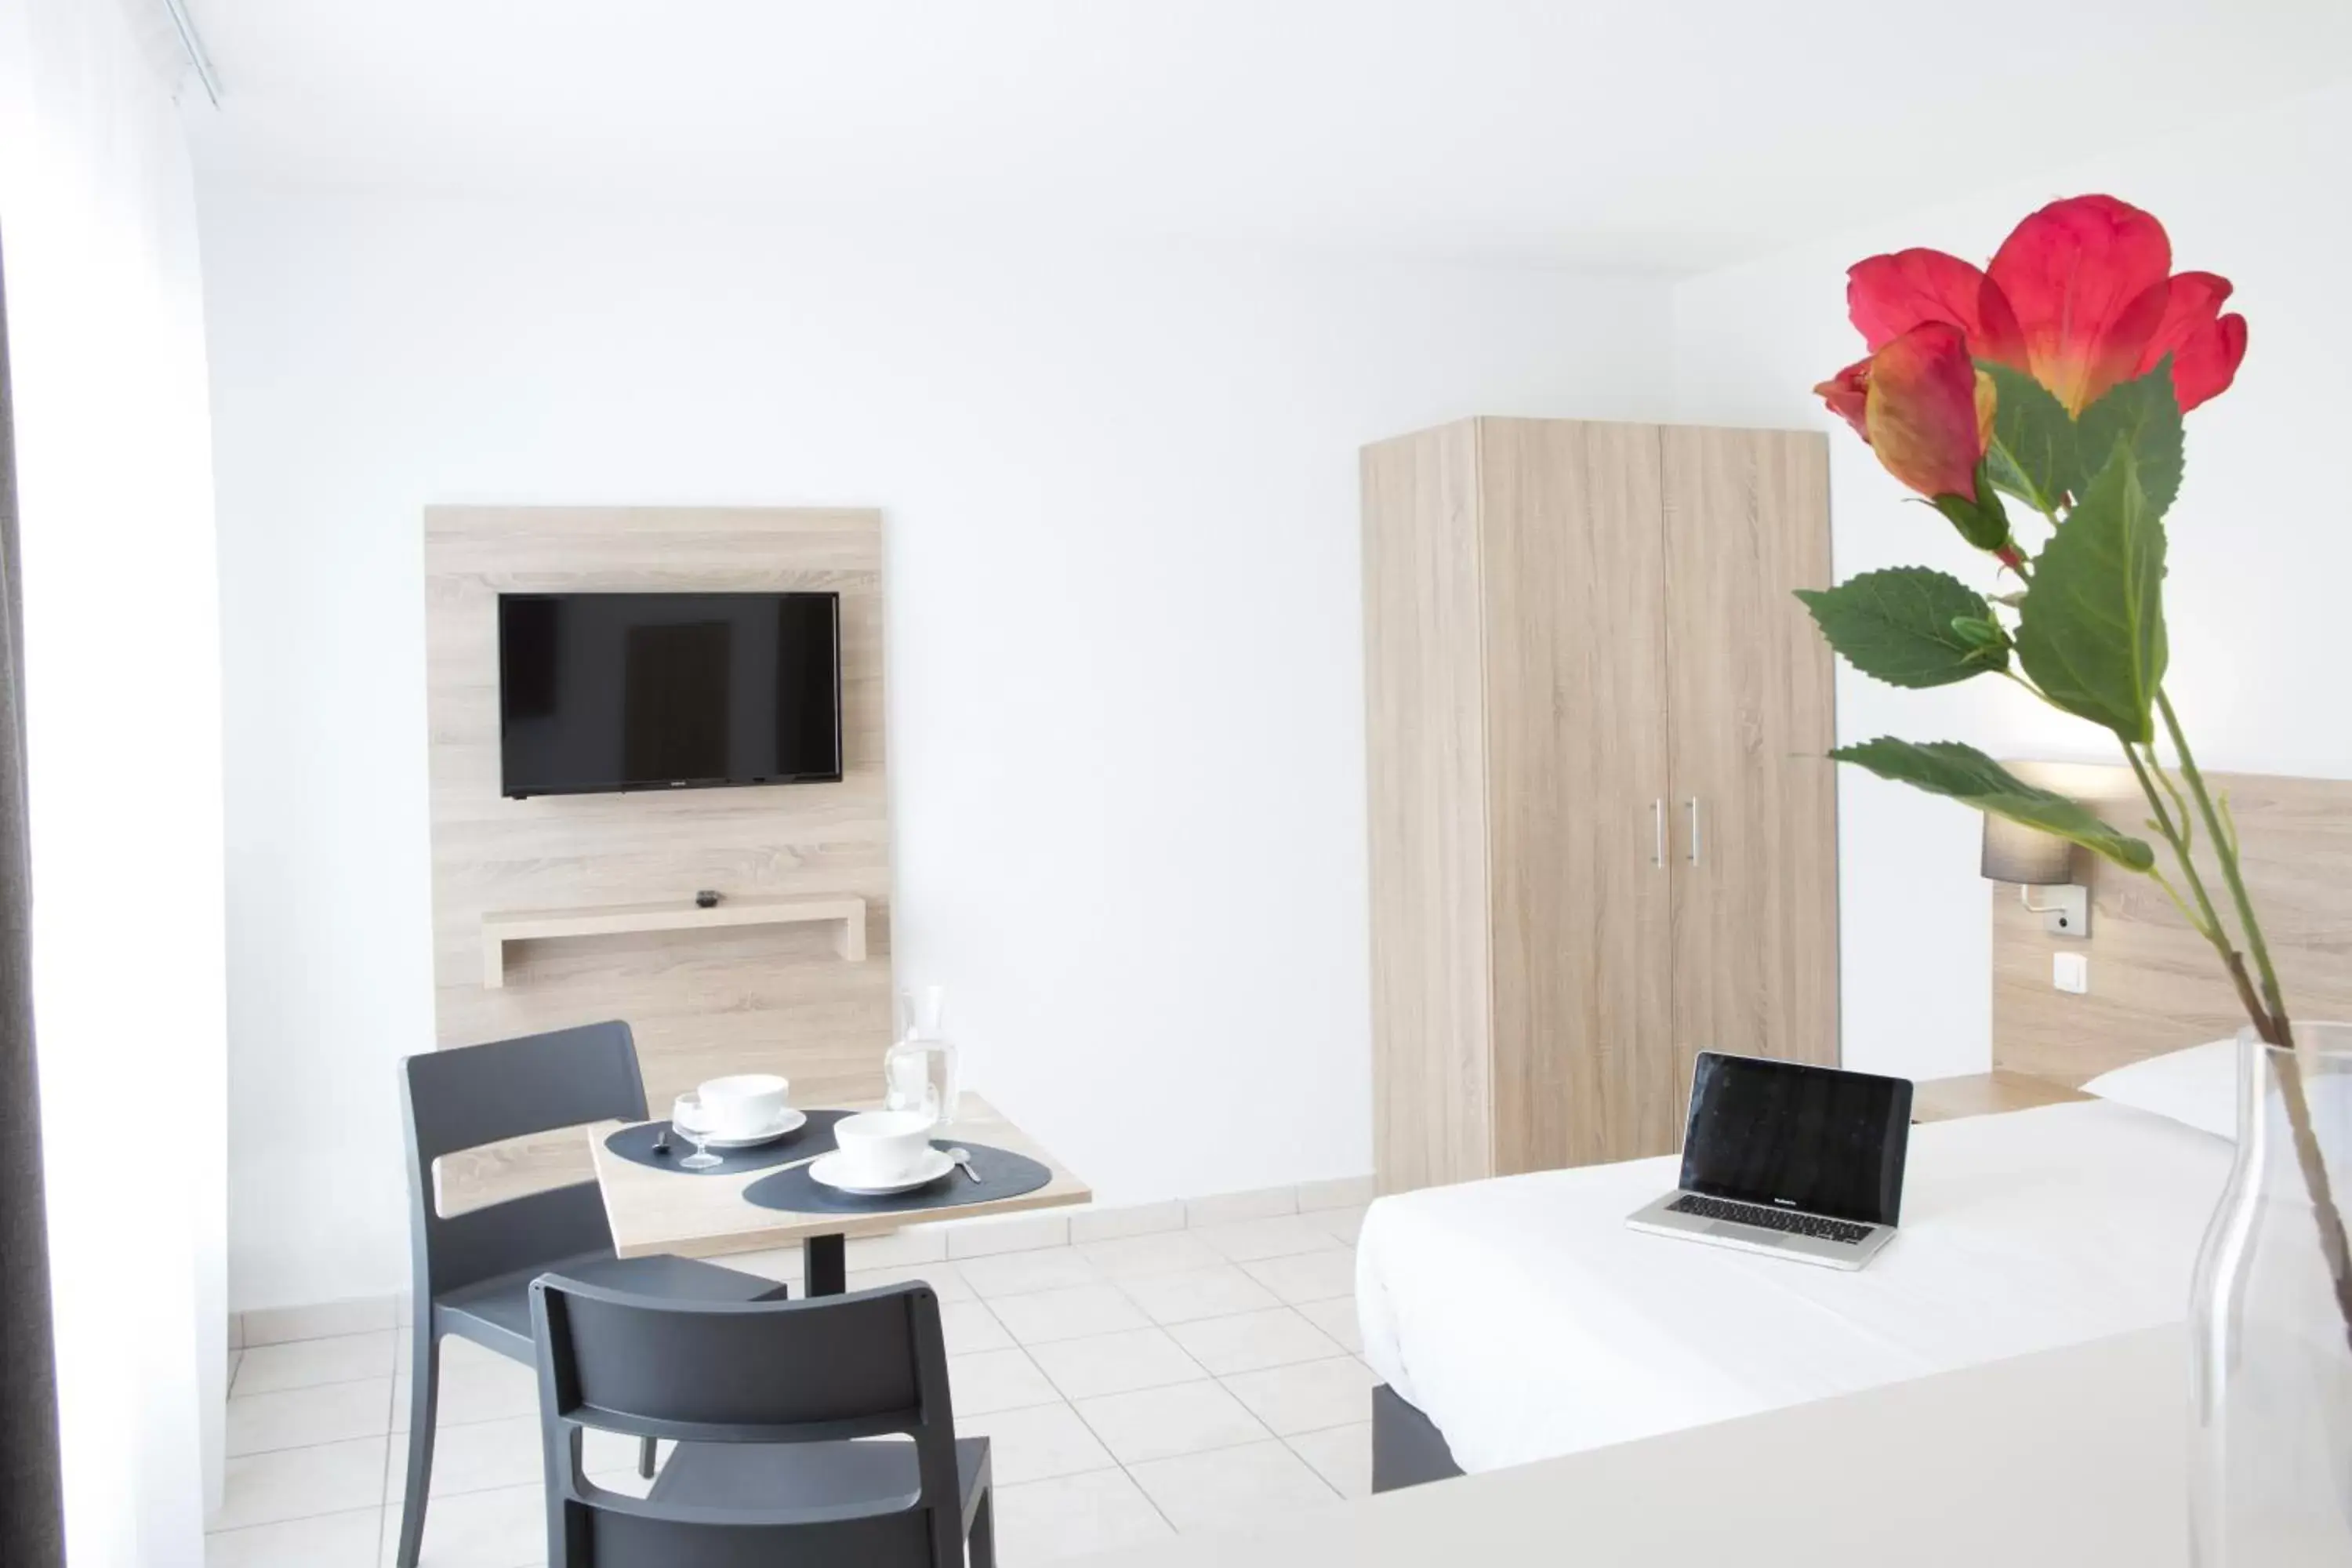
x=531, y=925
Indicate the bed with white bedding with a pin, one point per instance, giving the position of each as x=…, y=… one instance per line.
x=1523, y=1317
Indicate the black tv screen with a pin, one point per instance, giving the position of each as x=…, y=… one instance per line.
x=618, y=691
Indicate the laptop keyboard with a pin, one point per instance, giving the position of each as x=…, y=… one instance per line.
x=1815, y=1226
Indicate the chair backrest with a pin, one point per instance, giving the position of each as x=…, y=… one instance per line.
x=462, y=1098
x=871, y=1364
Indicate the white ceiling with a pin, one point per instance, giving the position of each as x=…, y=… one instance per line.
x=1655, y=134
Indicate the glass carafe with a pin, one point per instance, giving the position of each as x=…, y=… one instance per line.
x=921, y=1072
x=2271, y=1478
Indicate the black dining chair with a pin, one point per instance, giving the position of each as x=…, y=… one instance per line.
x=765, y=1401
x=471, y=1272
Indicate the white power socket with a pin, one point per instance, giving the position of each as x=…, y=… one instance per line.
x=2071, y=972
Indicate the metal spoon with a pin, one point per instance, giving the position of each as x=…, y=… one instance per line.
x=963, y=1157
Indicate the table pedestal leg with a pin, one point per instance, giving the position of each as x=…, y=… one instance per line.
x=824, y=1270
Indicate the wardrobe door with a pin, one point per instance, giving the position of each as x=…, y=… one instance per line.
x=1576, y=741
x=1426, y=746
x=1753, y=809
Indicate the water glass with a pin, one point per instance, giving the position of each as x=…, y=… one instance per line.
x=685, y=1114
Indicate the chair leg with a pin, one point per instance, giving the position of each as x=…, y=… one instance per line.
x=424, y=1393
x=646, y=1458
x=979, y=1544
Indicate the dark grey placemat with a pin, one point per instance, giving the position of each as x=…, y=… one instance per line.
x=636, y=1143
x=1002, y=1175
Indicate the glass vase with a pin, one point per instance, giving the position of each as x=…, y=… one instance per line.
x=923, y=1071
x=2271, y=1467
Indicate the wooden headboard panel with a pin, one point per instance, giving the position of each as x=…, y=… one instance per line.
x=2156, y=985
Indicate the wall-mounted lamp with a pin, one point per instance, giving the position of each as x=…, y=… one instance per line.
x=2032, y=858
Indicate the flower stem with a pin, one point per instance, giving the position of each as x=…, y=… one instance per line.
x=2280, y=1032
x=2270, y=1017
x=2205, y=919
x=2189, y=915
x=2207, y=923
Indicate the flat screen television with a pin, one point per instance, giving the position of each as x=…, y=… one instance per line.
x=598, y=692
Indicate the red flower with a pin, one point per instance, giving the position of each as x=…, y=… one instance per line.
x=1922, y=406
x=2087, y=278
x=2080, y=295
x=1848, y=394
x=2206, y=346
x=1887, y=296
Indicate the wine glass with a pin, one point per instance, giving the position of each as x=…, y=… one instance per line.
x=685, y=1114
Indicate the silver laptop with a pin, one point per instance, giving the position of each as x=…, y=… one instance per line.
x=1804, y=1162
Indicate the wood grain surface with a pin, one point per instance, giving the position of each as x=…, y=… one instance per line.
x=2156, y=985
x=1755, y=796
x=655, y=1211
x=1577, y=768
x=1580, y=641
x=1424, y=689
x=1985, y=1094
x=704, y=1000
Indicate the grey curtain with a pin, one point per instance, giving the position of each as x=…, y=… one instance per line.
x=32, y=1520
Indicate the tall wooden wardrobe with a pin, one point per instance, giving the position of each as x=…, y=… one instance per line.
x=1603, y=823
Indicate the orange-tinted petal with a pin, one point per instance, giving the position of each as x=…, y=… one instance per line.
x=2087, y=278
x=2205, y=345
x=1924, y=410
x=1847, y=394
x=1997, y=335
x=1887, y=296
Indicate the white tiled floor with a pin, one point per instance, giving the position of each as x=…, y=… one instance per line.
x=1132, y=1387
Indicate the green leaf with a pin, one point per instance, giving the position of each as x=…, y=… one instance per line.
x=1969, y=776
x=2145, y=415
x=2092, y=631
x=1901, y=627
x=2035, y=456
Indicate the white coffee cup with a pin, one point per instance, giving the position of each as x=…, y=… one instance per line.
x=743, y=1104
x=881, y=1146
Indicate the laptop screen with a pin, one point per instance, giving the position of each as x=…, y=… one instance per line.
x=1791, y=1136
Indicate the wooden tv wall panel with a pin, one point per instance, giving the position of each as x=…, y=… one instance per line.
x=702, y=1001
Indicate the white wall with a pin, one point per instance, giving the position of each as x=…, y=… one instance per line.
x=1124, y=663
x=1125, y=670
x=2260, y=539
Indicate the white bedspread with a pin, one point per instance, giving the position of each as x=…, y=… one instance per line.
x=1524, y=1318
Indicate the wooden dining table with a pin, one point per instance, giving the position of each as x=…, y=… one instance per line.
x=694, y=1214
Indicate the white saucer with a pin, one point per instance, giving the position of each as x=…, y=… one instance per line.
x=790, y=1122
x=827, y=1170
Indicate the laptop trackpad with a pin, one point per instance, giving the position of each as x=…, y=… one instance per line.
x=1754, y=1234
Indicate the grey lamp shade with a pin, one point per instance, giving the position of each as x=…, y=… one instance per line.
x=2026, y=855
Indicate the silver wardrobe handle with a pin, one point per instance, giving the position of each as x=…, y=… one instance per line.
x=1658, y=832
x=1694, y=830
